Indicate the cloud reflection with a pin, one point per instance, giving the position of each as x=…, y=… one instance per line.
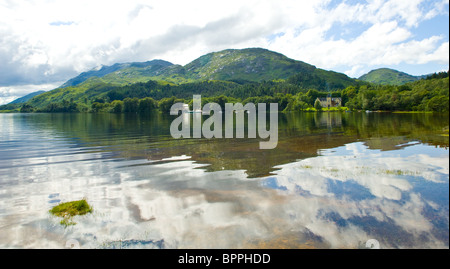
x=339, y=199
x=388, y=176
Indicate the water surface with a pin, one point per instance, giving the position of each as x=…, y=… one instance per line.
x=335, y=180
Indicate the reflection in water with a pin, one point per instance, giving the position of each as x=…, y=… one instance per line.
x=349, y=187
x=334, y=181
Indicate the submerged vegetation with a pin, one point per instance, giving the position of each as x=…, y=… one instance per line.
x=70, y=209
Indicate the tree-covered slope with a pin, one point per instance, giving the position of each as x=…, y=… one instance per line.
x=16, y=104
x=238, y=65
x=253, y=64
x=423, y=95
x=226, y=70
x=257, y=65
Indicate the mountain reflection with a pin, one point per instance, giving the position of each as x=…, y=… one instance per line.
x=301, y=135
x=334, y=181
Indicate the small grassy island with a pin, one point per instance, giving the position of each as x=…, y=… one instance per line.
x=70, y=209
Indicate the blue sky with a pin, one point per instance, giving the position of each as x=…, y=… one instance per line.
x=437, y=26
x=44, y=43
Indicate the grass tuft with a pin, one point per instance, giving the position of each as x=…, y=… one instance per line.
x=70, y=209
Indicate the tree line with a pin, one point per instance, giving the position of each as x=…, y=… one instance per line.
x=429, y=94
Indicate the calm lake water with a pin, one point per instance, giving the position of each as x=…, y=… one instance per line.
x=335, y=180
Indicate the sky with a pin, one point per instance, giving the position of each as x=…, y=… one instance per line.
x=44, y=43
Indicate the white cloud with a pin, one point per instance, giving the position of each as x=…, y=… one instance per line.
x=47, y=41
x=11, y=93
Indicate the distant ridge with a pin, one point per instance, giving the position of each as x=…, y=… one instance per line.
x=150, y=67
x=26, y=97
x=387, y=76
x=237, y=65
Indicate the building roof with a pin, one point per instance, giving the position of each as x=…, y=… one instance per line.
x=325, y=98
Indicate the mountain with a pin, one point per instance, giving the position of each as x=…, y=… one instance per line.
x=244, y=65
x=253, y=64
x=211, y=74
x=386, y=76
x=26, y=97
x=125, y=71
x=16, y=104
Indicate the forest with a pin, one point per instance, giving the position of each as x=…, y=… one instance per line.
x=428, y=94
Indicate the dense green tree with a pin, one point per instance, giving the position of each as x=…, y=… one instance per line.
x=147, y=105
x=412, y=96
x=317, y=105
x=439, y=75
x=117, y=106
x=64, y=106
x=131, y=105
x=166, y=103
x=96, y=106
x=438, y=104
x=27, y=108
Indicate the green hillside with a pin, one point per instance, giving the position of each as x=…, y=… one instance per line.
x=431, y=94
x=252, y=64
x=248, y=75
x=122, y=73
x=226, y=70
x=386, y=76
x=16, y=104
x=245, y=65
